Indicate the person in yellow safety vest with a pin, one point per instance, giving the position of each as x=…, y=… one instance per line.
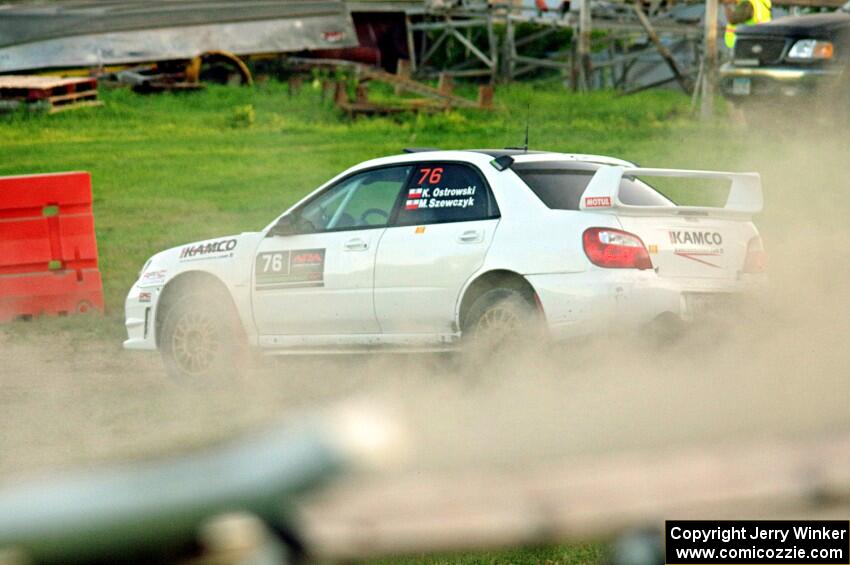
x=746, y=12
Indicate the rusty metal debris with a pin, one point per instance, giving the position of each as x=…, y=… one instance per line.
x=431, y=99
x=178, y=76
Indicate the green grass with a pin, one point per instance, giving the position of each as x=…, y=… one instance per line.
x=579, y=554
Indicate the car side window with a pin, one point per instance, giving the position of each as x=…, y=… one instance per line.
x=445, y=192
x=361, y=201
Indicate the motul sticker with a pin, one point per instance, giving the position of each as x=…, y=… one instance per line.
x=333, y=36
x=597, y=202
x=290, y=269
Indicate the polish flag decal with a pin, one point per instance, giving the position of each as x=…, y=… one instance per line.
x=414, y=199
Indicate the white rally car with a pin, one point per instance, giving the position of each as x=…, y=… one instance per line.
x=423, y=250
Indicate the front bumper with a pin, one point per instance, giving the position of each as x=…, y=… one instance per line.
x=738, y=82
x=139, y=309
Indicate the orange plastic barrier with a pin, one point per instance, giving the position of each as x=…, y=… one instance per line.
x=48, y=251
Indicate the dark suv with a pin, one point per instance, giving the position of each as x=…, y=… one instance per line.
x=789, y=56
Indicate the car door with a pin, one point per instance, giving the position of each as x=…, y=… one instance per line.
x=438, y=239
x=313, y=273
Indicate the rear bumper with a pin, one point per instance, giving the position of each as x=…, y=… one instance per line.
x=597, y=301
x=780, y=81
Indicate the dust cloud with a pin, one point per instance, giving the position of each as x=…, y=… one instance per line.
x=779, y=368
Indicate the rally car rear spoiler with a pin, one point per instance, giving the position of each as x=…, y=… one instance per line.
x=602, y=193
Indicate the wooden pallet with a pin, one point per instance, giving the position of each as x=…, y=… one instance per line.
x=405, y=84
x=47, y=93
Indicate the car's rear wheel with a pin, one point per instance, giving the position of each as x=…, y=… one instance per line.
x=500, y=319
x=200, y=342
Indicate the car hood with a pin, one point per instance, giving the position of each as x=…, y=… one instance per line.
x=811, y=25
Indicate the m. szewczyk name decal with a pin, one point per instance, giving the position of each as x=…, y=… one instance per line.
x=209, y=248
x=290, y=269
x=440, y=198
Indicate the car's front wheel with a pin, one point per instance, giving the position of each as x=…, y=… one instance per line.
x=200, y=341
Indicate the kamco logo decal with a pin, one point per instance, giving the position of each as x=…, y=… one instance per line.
x=696, y=238
x=202, y=249
x=701, y=238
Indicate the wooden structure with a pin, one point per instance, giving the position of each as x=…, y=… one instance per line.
x=46, y=93
x=643, y=45
x=438, y=28
x=608, y=60
x=469, y=25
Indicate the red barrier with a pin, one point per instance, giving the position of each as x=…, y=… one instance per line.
x=48, y=251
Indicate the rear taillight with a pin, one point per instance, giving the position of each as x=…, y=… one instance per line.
x=756, y=261
x=615, y=249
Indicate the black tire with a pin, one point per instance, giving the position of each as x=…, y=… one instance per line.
x=201, y=339
x=502, y=318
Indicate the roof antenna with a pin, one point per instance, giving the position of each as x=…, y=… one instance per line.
x=527, y=116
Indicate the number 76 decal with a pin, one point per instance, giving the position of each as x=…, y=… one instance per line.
x=433, y=175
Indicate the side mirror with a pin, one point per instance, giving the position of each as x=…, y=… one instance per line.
x=284, y=226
